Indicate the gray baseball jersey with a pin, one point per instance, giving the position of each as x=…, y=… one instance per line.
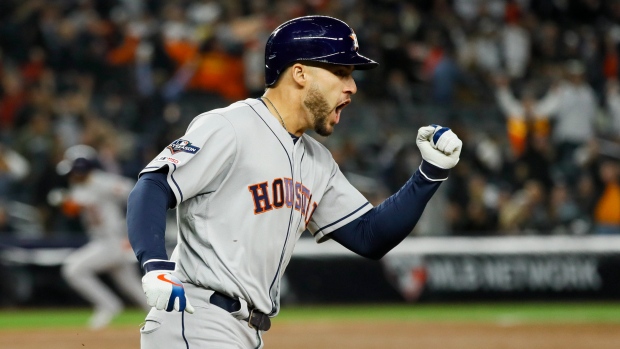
x=102, y=199
x=245, y=193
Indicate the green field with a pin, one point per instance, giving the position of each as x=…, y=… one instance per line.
x=494, y=313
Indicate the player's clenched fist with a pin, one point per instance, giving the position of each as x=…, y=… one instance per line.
x=164, y=291
x=439, y=146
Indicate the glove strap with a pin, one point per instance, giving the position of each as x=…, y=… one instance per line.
x=158, y=264
x=438, y=132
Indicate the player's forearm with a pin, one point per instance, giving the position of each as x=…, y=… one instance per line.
x=378, y=231
x=146, y=217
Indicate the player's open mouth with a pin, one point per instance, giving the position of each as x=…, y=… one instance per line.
x=343, y=104
x=339, y=108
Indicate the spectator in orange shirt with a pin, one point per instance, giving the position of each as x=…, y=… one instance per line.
x=214, y=69
x=523, y=117
x=13, y=98
x=606, y=213
x=219, y=71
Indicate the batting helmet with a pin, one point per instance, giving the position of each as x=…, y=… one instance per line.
x=78, y=158
x=312, y=38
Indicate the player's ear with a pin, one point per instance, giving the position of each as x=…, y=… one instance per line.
x=300, y=73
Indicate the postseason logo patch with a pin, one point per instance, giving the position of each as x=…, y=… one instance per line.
x=181, y=145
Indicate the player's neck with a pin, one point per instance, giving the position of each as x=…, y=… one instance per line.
x=286, y=107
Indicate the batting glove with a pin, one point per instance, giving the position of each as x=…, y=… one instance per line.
x=439, y=146
x=164, y=291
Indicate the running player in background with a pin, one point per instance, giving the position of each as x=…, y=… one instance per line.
x=247, y=181
x=99, y=198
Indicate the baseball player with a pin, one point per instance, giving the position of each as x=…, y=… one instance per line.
x=100, y=198
x=247, y=182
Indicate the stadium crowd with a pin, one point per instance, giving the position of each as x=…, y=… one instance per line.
x=530, y=86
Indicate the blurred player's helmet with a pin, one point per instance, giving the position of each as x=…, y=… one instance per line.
x=312, y=38
x=77, y=159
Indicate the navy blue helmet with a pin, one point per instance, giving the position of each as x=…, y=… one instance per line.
x=77, y=159
x=312, y=38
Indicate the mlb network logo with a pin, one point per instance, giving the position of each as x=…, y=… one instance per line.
x=181, y=145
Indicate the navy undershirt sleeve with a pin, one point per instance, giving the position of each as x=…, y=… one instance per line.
x=147, y=208
x=382, y=228
x=371, y=235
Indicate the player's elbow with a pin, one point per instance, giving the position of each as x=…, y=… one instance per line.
x=375, y=254
x=376, y=257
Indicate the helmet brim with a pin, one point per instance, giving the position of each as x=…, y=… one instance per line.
x=358, y=61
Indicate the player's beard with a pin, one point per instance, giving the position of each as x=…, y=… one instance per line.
x=319, y=108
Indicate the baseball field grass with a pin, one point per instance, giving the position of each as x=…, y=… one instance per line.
x=488, y=312
x=463, y=326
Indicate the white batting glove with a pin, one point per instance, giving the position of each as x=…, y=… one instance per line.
x=439, y=146
x=164, y=291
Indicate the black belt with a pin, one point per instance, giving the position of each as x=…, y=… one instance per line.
x=256, y=320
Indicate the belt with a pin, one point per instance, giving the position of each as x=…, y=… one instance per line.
x=256, y=320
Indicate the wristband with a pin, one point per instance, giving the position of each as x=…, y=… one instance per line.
x=158, y=264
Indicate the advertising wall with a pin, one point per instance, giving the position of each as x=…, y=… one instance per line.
x=420, y=269
x=438, y=269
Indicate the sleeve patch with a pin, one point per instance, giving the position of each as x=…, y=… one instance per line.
x=181, y=145
x=167, y=159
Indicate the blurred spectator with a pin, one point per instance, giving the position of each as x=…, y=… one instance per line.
x=527, y=211
x=606, y=213
x=586, y=195
x=445, y=78
x=613, y=109
x=12, y=99
x=566, y=216
x=534, y=164
x=438, y=66
x=573, y=107
x=525, y=118
x=546, y=46
x=610, y=56
x=515, y=42
x=400, y=92
x=477, y=214
x=124, y=75
x=6, y=224
x=486, y=45
x=37, y=142
x=33, y=69
x=214, y=65
x=13, y=169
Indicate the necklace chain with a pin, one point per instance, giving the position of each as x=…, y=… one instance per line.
x=277, y=112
